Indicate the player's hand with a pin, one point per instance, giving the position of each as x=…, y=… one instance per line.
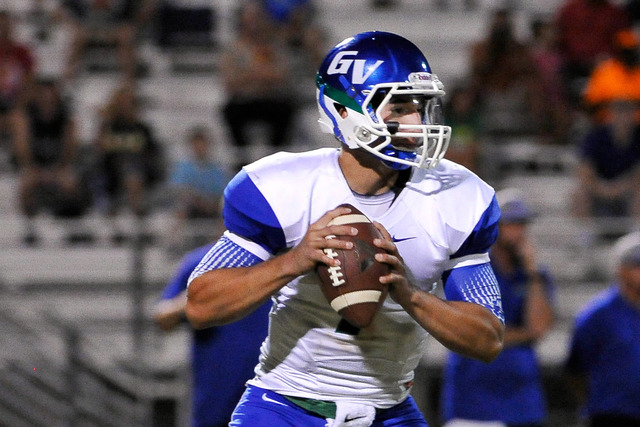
x=309, y=252
x=398, y=275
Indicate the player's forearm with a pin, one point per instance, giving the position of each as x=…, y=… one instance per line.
x=225, y=295
x=466, y=328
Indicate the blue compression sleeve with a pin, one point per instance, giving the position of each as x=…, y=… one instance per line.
x=476, y=284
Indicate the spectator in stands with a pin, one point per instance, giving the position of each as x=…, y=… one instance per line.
x=585, y=32
x=282, y=11
x=306, y=39
x=46, y=149
x=603, y=364
x=222, y=358
x=197, y=183
x=549, y=65
x=509, y=389
x=506, y=84
x=617, y=77
x=462, y=115
x=255, y=70
x=17, y=67
x=106, y=22
x=130, y=160
x=609, y=170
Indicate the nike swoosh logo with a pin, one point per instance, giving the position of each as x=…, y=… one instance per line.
x=401, y=239
x=268, y=399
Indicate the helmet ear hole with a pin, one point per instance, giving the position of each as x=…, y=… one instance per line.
x=340, y=109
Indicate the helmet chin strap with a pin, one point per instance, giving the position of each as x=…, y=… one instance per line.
x=391, y=151
x=404, y=155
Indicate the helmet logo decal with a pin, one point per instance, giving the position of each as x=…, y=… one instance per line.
x=358, y=74
x=419, y=77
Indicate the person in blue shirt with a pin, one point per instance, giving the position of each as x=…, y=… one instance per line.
x=508, y=391
x=222, y=358
x=198, y=180
x=196, y=187
x=603, y=364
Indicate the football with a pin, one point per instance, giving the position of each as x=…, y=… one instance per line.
x=353, y=288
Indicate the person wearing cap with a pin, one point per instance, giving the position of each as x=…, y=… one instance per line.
x=603, y=363
x=616, y=78
x=507, y=391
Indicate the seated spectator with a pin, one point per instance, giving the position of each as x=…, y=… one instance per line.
x=197, y=183
x=255, y=71
x=507, y=87
x=603, y=363
x=17, y=67
x=46, y=150
x=617, y=77
x=130, y=160
x=306, y=40
x=549, y=65
x=282, y=11
x=105, y=22
x=609, y=170
x=509, y=390
x=585, y=34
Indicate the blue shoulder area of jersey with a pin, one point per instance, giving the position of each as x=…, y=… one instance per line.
x=247, y=213
x=484, y=234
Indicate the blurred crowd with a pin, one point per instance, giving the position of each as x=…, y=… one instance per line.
x=571, y=80
x=124, y=167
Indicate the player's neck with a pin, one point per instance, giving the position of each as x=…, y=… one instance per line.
x=366, y=175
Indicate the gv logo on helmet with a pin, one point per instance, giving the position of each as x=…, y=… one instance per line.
x=341, y=65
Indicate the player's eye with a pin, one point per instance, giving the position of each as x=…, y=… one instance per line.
x=405, y=108
x=399, y=110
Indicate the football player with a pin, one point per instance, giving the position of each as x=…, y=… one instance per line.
x=378, y=96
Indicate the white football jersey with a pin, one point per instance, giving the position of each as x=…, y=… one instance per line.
x=433, y=221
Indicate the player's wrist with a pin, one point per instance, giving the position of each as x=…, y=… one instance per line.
x=289, y=265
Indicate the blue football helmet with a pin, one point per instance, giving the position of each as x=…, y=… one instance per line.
x=363, y=74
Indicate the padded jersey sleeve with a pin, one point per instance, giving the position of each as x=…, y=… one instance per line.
x=470, y=277
x=253, y=231
x=247, y=213
x=476, y=284
x=484, y=235
x=226, y=253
